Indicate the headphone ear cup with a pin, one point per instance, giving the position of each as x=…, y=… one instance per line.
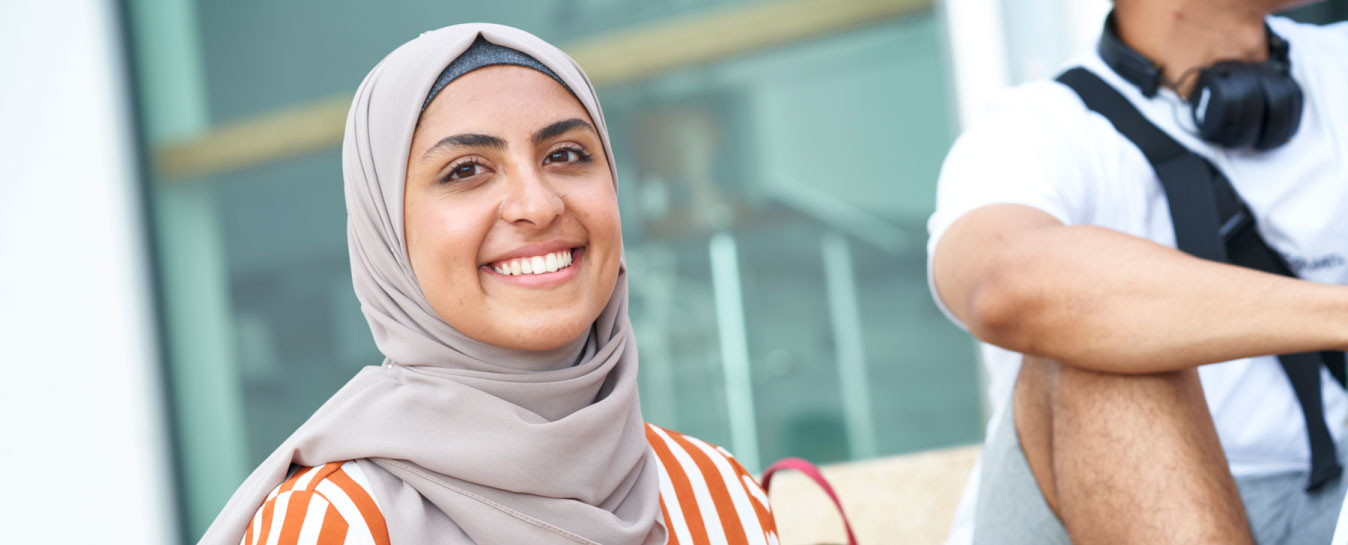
x=1283, y=101
x=1228, y=104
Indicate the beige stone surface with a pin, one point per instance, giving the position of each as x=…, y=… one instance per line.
x=907, y=499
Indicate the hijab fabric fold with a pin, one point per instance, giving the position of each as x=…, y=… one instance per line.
x=512, y=446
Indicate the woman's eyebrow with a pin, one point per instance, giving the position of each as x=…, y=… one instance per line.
x=560, y=128
x=471, y=140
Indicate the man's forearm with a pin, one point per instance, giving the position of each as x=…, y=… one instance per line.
x=1099, y=299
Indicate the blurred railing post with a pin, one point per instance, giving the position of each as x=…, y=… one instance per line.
x=739, y=387
x=848, y=344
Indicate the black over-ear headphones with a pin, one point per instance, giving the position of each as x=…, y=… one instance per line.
x=1235, y=104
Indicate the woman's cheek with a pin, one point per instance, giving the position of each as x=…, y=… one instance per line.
x=602, y=203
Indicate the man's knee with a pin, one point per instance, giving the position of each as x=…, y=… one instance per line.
x=1053, y=399
x=1045, y=388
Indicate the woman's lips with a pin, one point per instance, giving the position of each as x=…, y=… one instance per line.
x=539, y=264
x=542, y=270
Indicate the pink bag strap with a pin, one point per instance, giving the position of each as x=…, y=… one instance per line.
x=813, y=473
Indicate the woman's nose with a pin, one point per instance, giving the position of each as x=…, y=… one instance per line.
x=530, y=200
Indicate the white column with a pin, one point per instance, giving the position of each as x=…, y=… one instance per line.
x=997, y=43
x=81, y=405
x=977, y=53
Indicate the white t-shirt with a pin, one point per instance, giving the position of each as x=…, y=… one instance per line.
x=1038, y=145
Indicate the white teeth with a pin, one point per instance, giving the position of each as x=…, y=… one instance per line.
x=546, y=263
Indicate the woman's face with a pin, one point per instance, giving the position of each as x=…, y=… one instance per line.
x=511, y=214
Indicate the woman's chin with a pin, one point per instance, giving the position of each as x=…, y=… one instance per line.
x=543, y=343
x=530, y=330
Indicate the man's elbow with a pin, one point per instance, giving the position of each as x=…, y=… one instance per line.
x=996, y=312
x=1008, y=306
x=1014, y=312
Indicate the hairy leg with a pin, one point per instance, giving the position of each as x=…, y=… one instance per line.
x=1127, y=458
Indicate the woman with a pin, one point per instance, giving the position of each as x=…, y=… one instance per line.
x=486, y=251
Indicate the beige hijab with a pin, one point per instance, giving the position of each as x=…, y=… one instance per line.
x=512, y=446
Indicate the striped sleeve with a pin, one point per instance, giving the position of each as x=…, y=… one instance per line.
x=326, y=505
x=706, y=495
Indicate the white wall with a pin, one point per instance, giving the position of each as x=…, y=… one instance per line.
x=82, y=432
x=996, y=43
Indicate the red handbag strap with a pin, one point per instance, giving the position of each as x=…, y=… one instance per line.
x=813, y=473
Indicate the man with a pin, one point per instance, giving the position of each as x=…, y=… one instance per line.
x=1138, y=399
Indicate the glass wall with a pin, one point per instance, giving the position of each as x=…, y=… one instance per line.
x=774, y=193
x=774, y=180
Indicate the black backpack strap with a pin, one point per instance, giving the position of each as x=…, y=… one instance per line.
x=1196, y=228
x=1212, y=222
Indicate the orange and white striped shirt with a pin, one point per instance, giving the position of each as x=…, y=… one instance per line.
x=706, y=497
x=328, y=505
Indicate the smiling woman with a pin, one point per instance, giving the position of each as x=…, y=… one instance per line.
x=511, y=209
x=486, y=251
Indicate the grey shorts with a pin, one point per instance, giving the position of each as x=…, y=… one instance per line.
x=1011, y=510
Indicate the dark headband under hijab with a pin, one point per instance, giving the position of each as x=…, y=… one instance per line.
x=484, y=53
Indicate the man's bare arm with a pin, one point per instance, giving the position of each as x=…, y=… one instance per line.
x=1099, y=299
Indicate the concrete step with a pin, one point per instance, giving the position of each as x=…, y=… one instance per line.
x=900, y=499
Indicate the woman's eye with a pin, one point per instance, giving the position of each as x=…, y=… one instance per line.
x=466, y=170
x=568, y=155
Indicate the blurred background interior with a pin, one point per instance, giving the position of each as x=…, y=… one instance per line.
x=777, y=162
